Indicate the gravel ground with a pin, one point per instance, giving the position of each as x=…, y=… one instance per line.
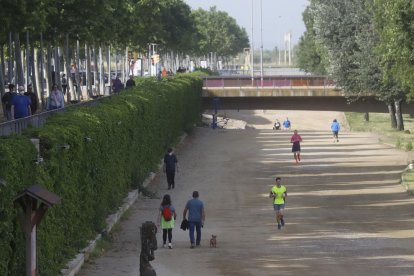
x=346, y=211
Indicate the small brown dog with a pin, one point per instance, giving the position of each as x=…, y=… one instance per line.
x=213, y=241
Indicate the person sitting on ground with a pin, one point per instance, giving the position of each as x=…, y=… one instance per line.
x=287, y=124
x=277, y=125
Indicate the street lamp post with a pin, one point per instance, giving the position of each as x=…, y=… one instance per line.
x=261, y=44
x=252, y=51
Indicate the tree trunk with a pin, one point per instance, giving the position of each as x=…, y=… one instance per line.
x=101, y=73
x=2, y=71
x=28, y=58
x=11, y=69
x=96, y=73
x=391, y=111
x=398, y=114
x=366, y=117
x=88, y=70
x=57, y=67
x=109, y=69
x=66, y=63
x=42, y=75
x=48, y=68
x=19, y=60
x=77, y=77
x=35, y=72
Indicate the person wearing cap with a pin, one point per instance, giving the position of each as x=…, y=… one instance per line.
x=6, y=100
x=20, y=105
x=33, y=98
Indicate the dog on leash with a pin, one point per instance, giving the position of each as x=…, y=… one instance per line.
x=213, y=241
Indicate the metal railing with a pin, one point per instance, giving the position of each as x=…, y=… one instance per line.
x=268, y=82
x=37, y=120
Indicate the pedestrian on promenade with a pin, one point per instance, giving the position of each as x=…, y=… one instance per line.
x=295, y=140
x=6, y=100
x=20, y=105
x=335, y=127
x=170, y=166
x=196, y=218
x=56, y=99
x=278, y=193
x=130, y=82
x=117, y=85
x=64, y=82
x=166, y=217
x=33, y=98
x=287, y=124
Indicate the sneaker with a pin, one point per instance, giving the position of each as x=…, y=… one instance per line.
x=282, y=221
x=198, y=245
x=169, y=245
x=337, y=140
x=164, y=245
x=279, y=226
x=192, y=246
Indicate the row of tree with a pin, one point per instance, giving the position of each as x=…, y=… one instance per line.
x=42, y=37
x=365, y=45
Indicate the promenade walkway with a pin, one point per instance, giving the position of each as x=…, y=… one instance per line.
x=346, y=212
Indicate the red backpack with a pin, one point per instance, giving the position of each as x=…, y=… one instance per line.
x=166, y=213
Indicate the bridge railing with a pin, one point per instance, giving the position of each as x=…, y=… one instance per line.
x=269, y=82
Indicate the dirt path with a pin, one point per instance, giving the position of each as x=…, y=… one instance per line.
x=346, y=212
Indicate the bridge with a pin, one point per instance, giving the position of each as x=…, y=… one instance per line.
x=287, y=93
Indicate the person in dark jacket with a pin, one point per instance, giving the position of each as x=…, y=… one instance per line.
x=130, y=82
x=170, y=165
x=33, y=98
x=117, y=85
x=6, y=100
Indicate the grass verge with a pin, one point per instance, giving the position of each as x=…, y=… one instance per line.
x=380, y=123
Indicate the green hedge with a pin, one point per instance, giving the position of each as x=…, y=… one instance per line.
x=114, y=145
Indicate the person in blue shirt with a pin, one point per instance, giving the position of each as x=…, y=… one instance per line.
x=286, y=124
x=20, y=105
x=335, y=127
x=196, y=217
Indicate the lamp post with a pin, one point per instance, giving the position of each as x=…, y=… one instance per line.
x=261, y=44
x=252, y=51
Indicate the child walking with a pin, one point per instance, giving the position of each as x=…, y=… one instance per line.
x=166, y=217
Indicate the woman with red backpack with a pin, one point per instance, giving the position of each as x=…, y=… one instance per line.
x=166, y=218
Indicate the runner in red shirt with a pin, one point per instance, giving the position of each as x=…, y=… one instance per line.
x=296, y=139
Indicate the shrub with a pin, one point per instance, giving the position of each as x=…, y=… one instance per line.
x=126, y=137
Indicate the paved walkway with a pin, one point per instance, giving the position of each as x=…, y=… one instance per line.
x=346, y=212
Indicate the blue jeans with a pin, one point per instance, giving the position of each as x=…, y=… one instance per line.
x=197, y=226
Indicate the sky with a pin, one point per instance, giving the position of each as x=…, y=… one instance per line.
x=278, y=18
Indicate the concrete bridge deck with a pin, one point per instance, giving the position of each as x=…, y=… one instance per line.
x=288, y=93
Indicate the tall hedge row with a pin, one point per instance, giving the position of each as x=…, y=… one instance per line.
x=113, y=146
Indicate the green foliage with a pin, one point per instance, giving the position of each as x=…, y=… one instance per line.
x=113, y=147
x=394, y=20
x=379, y=123
x=219, y=33
x=311, y=55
